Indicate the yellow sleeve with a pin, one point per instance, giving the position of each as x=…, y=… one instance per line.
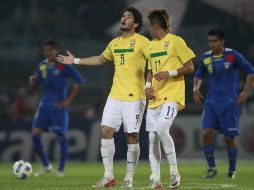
x=182, y=50
x=145, y=49
x=107, y=53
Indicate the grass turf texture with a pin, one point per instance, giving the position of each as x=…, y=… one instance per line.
x=80, y=176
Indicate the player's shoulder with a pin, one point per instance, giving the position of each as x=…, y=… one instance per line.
x=207, y=57
x=207, y=54
x=114, y=40
x=175, y=39
x=43, y=62
x=141, y=37
x=231, y=51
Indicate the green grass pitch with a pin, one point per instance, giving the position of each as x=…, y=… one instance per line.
x=80, y=176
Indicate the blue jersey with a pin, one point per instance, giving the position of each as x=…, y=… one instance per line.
x=54, y=79
x=223, y=75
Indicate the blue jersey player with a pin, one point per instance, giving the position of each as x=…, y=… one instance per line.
x=52, y=114
x=221, y=108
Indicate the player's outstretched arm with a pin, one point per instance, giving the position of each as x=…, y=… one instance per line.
x=70, y=59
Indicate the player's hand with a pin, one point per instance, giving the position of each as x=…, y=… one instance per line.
x=149, y=93
x=64, y=104
x=241, y=99
x=32, y=79
x=197, y=96
x=162, y=75
x=69, y=59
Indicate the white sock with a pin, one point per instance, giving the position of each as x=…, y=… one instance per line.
x=107, y=154
x=132, y=160
x=168, y=146
x=154, y=155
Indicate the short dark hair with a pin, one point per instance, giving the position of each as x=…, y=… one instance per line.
x=137, y=17
x=159, y=16
x=51, y=42
x=220, y=33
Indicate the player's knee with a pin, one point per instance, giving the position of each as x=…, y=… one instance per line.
x=107, y=132
x=206, y=133
x=152, y=137
x=132, y=138
x=230, y=141
x=162, y=131
x=163, y=127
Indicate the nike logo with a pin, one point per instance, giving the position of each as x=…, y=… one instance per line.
x=169, y=153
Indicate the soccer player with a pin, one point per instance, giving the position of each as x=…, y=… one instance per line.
x=221, y=107
x=52, y=113
x=169, y=60
x=126, y=101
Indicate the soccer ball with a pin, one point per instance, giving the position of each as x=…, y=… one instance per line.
x=21, y=169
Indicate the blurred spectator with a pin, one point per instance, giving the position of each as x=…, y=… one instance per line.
x=25, y=104
x=5, y=104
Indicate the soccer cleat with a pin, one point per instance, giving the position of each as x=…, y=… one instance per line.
x=211, y=172
x=60, y=174
x=105, y=182
x=174, y=180
x=44, y=170
x=231, y=174
x=126, y=184
x=155, y=184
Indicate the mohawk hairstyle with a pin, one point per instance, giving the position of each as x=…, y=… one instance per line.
x=160, y=16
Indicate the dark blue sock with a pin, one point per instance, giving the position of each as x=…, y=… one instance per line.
x=232, y=154
x=38, y=148
x=209, y=154
x=63, y=151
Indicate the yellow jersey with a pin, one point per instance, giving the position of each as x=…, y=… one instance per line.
x=130, y=62
x=169, y=53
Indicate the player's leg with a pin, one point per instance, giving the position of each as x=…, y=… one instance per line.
x=108, y=150
x=133, y=152
x=111, y=122
x=208, y=122
x=167, y=114
x=232, y=155
x=59, y=125
x=154, y=148
x=229, y=120
x=40, y=123
x=132, y=118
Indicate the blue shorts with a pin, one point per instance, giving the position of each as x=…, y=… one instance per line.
x=51, y=119
x=225, y=118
